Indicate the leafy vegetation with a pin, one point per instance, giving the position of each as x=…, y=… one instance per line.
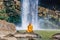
x=3, y=15
x=13, y=15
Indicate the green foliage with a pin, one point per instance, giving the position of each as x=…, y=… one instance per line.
x=12, y=12
x=47, y=34
x=14, y=19
x=3, y=10
x=3, y=15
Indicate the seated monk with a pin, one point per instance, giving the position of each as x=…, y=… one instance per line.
x=30, y=28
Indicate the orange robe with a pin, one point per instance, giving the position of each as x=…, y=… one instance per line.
x=30, y=28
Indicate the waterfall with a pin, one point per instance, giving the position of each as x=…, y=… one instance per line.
x=25, y=12
x=29, y=13
x=34, y=13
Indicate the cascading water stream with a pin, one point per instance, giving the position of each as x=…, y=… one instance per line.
x=29, y=12
x=25, y=12
x=34, y=13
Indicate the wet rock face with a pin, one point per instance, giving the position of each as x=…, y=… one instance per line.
x=6, y=28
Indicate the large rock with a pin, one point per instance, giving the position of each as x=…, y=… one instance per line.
x=56, y=36
x=6, y=28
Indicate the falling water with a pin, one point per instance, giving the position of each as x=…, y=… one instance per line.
x=34, y=12
x=25, y=12
x=29, y=13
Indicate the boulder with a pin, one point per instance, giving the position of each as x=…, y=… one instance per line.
x=56, y=36
x=6, y=28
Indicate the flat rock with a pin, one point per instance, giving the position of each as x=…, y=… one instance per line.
x=27, y=35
